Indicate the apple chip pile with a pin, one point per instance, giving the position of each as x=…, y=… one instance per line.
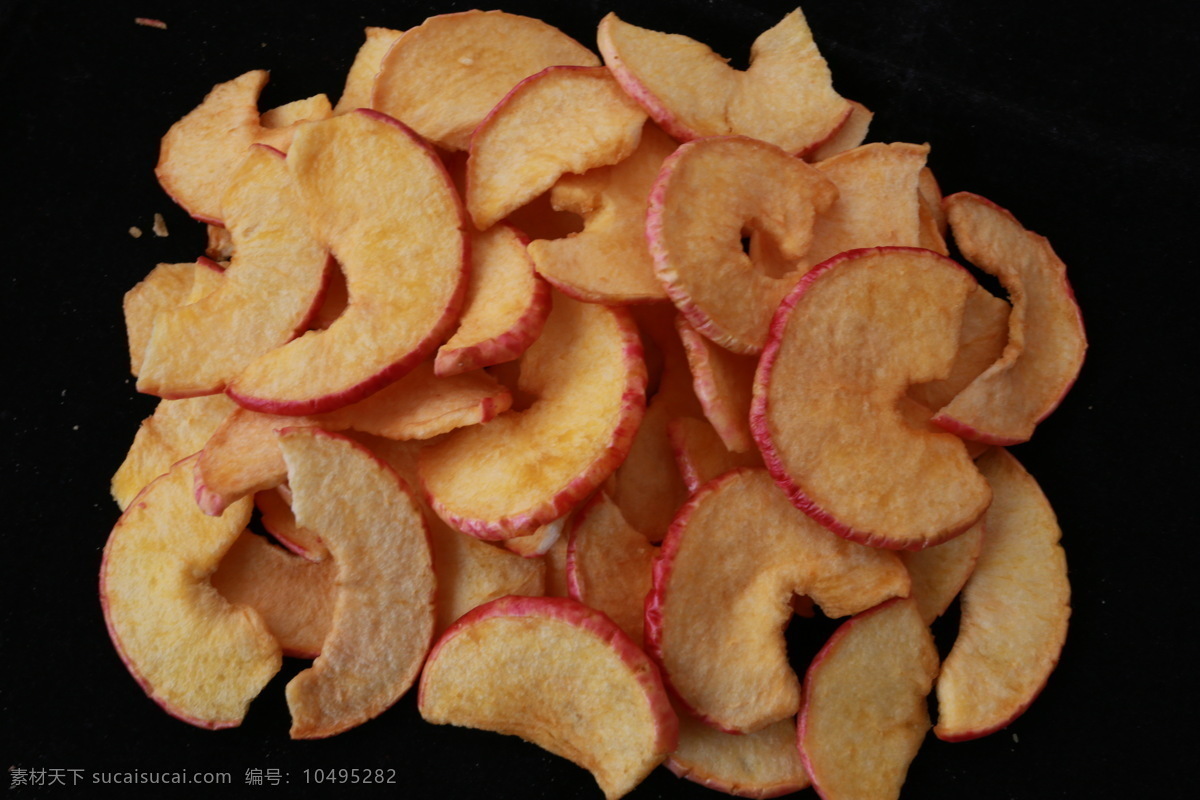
x=554, y=383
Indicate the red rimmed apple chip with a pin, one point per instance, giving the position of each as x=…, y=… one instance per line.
x=294, y=596
x=505, y=307
x=360, y=78
x=384, y=613
x=1046, y=340
x=724, y=384
x=275, y=513
x=1015, y=609
x=563, y=119
x=786, y=97
x=701, y=455
x=711, y=193
x=267, y=295
x=198, y=656
x=599, y=702
x=864, y=715
x=762, y=764
x=381, y=200
x=528, y=467
x=445, y=75
x=850, y=135
x=845, y=345
x=723, y=590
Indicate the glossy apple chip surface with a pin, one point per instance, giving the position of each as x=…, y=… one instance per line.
x=709, y=195
x=1046, y=340
x=198, y=656
x=864, y=715
x=600, y=702
x=845, y=346
x=381, y=200
x=1015, y=609
x=762, y=764
x=384, y=613
x=723, y=594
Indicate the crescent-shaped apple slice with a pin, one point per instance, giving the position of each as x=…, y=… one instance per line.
x=384, y=615
x=762, y=764
x=599, y=700
x=198, y=656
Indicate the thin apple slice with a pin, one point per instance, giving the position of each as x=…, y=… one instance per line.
x=864, y=714
x=278, y=125
x=845, y=345
x=939, y=573
x=198, y=656
x=165, y=286
x=563, y=119
x=267, y=295
x=850, y=135
x=384, y=614
x=709, y=194
x=786, y=97
x=1046, y=340
x=446, y=74
x=525, y=468
x=722, y=597
x=176, y=430
x=701, y=455
x=981, y=341
x=1015, y=609
x=600, y=703
x=506, y=304
x=608, y=564
x=608, y=261
x=380, y=198
x=724, y=384
x=294, y=596
x=360, y=79
x=762, y=764
x=275, y=513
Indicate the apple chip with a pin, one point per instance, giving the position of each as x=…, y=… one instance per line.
x=938, y=573
x=762, y=764
x=701, y=455
x=278, y=125
x=600, y=702
x=724, y=383
x=541, y=541
x=166, y=286
x=275, y=513
x=360, y=80
x=850, y=135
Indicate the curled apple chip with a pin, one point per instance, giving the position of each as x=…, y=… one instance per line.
x=864, y=714
x=600, y=702
x=708, y=196
x=1015, y=609
x=198, y=656
x=786, y=97
x=360, y=79
x=446, y=74
x=722, y=597
x=563, y=119
x=527, y=467
x=701, y=455
x=384, y=613
x=1046, y=340
x=724, y=383
x=762, y=764
x=845, y=345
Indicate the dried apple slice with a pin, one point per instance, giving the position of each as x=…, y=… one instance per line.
x=1015, y=609
x=608, y=261
x=600, y=702
x=198, y=656
x=525, y=468
x=708, y=195
x=1046, y=340
x=294, y=596
x=267, y=295
x=165, y=286
x=447, y=73
x=981, y=341
x=864, y=714
x=384, y=614
x=275, y=513
x=724, y=383
x=505, y=308
x=845, y=345
x=939, y=573
x=563, y=119
x=701, y=455
x=382, y=201
x=762, y=764
x=722, y=597
x=278, y=125
x=850, y=135
x=786, y=97
x=541, y=541
x=360, y=79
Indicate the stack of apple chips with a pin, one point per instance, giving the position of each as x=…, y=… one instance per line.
x=560, y=382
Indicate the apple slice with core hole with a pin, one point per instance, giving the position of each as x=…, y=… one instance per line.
x=360, y=78
x=384, y=613
x=762, y=764
x=198, y=656
x=845, y=345
x=600, y=702
x=1015, y=609
x=1046, y=340
x=864, y=714
x=563, y=119
x=708, y=195
x=445, y=75
x=722, y=597
x=382, y=201
x=528, y=467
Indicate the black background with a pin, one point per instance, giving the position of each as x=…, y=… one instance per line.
x=1079, y=120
